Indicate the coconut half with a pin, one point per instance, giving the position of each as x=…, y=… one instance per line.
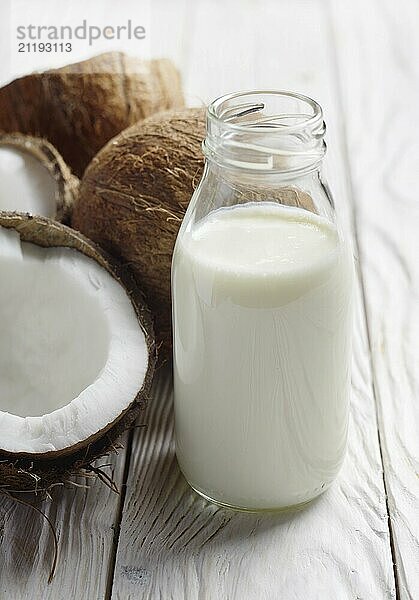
x=76, y=351
x=34, y=178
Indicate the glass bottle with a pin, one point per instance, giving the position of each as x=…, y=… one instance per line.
x=262, y=279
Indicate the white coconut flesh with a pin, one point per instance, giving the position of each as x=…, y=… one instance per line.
x=26, y=184
x=73, y=355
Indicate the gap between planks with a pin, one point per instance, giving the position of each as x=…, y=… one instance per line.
x=118, y=519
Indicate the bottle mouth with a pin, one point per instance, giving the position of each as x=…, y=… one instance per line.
x=275, y=131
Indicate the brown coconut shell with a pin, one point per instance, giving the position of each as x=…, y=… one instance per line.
x=67, y=184
x=36, y=472
x=134, y=194
x=79, y=107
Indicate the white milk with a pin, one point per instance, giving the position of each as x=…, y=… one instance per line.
x=262, y=317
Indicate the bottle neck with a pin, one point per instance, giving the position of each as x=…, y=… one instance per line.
x=262, y=185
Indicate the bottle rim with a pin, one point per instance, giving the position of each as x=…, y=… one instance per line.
x=215, y=111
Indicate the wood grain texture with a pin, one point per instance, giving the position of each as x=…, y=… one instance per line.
x=378, y=54
x=84, y=520
x=174, y=545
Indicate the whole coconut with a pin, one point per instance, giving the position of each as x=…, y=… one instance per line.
x=134, y=195
x=79, y=107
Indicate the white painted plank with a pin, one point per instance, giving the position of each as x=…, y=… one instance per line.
x=168, y=35
x=173, y=545
x=222, y=47
x=84, y=520
x=379, y=73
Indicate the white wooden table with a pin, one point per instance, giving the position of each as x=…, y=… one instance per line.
x=157, y=540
